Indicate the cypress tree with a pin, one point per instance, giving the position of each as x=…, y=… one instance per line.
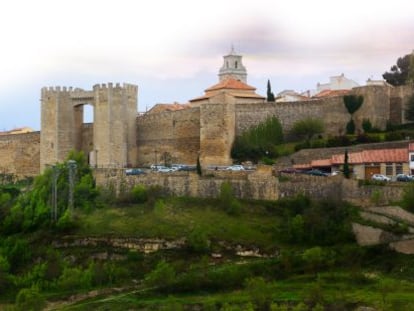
x=347, y=172
x=270, y=95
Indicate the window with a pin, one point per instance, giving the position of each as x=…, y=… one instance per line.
x=235, y=64
x=398, y=168
x=388, y=169
x=412, y=157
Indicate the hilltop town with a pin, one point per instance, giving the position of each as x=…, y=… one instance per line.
x=105, y=226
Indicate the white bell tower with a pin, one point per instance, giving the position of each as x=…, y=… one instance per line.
x=233, y=67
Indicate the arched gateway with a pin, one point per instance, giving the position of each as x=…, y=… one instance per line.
x=111, y=142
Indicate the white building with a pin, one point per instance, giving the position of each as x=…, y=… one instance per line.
x=337, y=83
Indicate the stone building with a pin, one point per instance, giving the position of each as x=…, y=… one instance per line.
x=204, y=128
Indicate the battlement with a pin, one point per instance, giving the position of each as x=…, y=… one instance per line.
x=110, y=85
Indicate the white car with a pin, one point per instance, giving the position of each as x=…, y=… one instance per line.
x=380, y=177
x=235, y=168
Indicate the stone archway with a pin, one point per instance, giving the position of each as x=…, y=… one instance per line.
x=110, y=141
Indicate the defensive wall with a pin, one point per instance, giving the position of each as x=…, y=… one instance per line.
x=260, y=185
x=114, y=127
x=330, y=110
x=19, y=154
x=338, y=188
x=118, y=138
x=176, y=133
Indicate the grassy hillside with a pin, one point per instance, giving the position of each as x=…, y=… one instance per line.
x=296, y=262
x=148, y=251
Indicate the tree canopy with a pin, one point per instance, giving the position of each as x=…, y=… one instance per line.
x=307, y=128
x=270, y=95
x=258, y=141
x=402, y=72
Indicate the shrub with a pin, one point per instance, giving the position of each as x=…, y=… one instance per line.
x=139, y=194
x=162, y=276
x=66, y=222
x=338, y=141
x=391, y=136
x=30, y=299
x=366, y=125
x=408, y=198
x=198, y=241
x=350, y=127
x=259, y=292
x=353, y=103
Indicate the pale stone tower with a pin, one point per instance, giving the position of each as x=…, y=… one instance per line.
x=233, y=67
x=114, y=128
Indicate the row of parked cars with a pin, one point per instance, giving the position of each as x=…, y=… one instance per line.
x=313, y=172
x=399, y=177
x=160, y=169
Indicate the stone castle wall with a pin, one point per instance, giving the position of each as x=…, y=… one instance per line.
x=217, y=132
x=114, y=130
x=177, y=133
x=119, y=138
x=20, y=154
x=331, y=111
x=260, y=185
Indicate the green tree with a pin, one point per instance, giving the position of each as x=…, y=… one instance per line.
x=198, y=241
x=162, y=276
x=366, y=125
x=399, y=73
x=353, y=103
x=258, y=141
x=139, y=194
x=408, y=198
x=313, y=257
x=347, y=171
x=259, y=292
x=307, y=128
x=30, y=299
x=270, y=95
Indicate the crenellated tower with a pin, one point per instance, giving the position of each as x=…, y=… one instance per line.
x=113, y=142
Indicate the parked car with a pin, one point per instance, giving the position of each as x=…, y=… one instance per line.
x=164, y=169
x=404, y=177
x=290, y=170
x=380, y=177
x=134, y=171
x=188, y=168
x=235, y=167
x=315, y=172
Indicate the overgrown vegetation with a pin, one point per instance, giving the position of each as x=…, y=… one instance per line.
x=310, y=261
x=259, y=141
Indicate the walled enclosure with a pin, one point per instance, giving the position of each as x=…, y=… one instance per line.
x=114, y=129
x=176, y=133
x=331, y=111
x=19, y=154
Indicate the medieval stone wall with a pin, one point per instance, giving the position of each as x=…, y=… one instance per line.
x=217, y=132
x=20, y=154
x=330, y=110
x=260, y=185
x=176, y=133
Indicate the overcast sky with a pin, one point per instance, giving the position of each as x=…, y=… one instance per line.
x=173, y=49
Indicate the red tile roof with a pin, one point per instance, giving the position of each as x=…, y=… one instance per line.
x=167, y=107
x=373, y=156
x=320, y=163
x=231, y=84
x=331, y=93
